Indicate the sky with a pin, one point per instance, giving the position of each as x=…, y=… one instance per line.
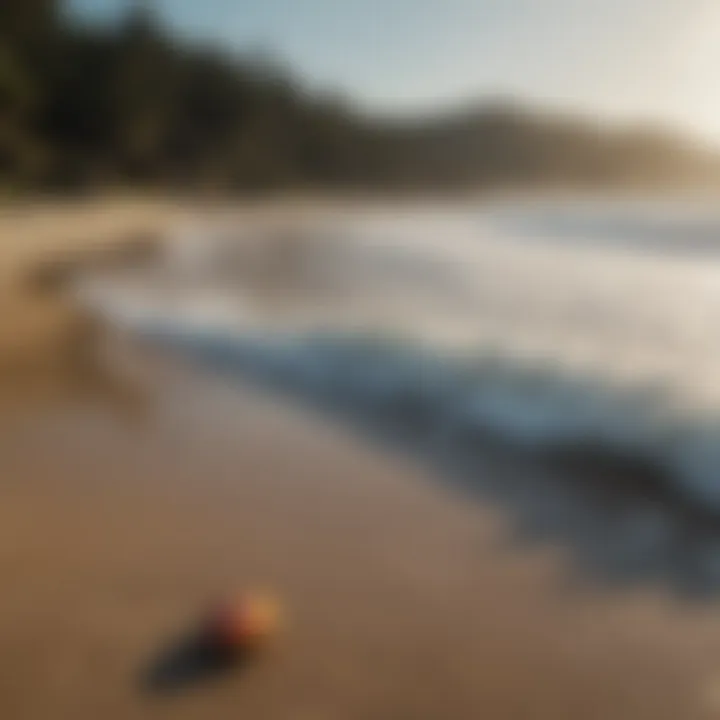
x=620, y=60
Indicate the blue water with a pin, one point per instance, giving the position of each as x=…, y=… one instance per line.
x=551, y=327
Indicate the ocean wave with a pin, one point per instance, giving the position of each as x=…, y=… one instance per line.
x=573, y=386
x=533, y=407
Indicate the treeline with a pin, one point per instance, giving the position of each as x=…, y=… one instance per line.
x=84, y=107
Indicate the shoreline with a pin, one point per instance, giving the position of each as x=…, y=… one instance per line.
x=138, y=486
x=139, y=518
x=41, y=247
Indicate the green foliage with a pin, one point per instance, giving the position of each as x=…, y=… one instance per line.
x=81, y=106
x=16, y=89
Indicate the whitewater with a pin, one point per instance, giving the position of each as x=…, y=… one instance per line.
x=586, y=326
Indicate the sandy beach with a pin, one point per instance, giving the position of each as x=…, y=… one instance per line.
x=121, y=520
x=133, y=495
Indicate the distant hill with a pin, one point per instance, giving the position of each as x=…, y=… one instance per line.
x=83, y=106
x=507, y=144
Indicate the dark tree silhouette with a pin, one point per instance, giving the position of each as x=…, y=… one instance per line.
x=83, y=106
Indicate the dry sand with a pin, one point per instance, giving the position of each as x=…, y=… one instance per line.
x=124, y=510
x=123, y=514
x=34, y=325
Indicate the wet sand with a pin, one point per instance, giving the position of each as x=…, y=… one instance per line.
x=123, y=513
x=41, y=240
x=134, y=493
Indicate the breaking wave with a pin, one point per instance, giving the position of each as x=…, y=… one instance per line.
x=541, y=408
x=372, y=344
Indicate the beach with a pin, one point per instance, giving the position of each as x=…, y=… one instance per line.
x=137, y=493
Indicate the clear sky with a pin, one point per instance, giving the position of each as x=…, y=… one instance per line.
x=616, y=59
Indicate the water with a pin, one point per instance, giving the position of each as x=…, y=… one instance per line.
x=552, y=327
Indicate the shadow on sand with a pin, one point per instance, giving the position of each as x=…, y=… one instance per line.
x=190, y=662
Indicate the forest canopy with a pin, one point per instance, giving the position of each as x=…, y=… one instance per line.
x=83, y=106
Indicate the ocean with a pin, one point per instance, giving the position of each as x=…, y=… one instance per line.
x=582, y=332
